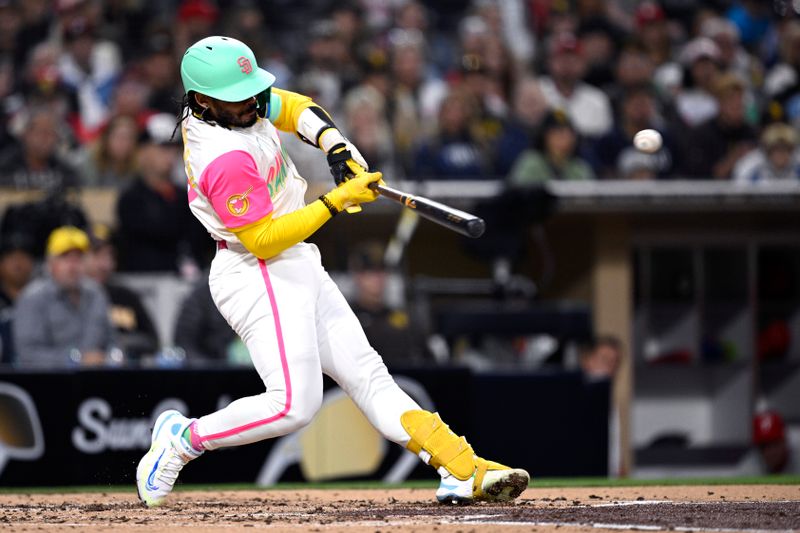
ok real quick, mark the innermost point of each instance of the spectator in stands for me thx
(130, 99)
(553, 157)
(365, 117)
(415, 97)
(10, 24)
(6, 86)
(193, 20)
(609, 10)
(499, 68)
(135, 334)
(112, 160)
(601, 41)
(392, 332)
(713, 148)
(513, 23)
(488, 94)
(652, 27)
(732, 56)
(326, 63)
(637, 111)
(521, 127)
(35, 162)
(752, 18)
(157, 233)
(695, 102)
(200, 329)
(36, 19)
(123, 23)
(633, 68)
(91, 68)
(348, 22)
(66, 57)
(668, 73)
(769, 435)
(453, 152)
(782, 83)
(602, 358)
(16, 271)
(413, 15)
(159, 71)
(587, 107)
(62, 319)
(473, 31)
(777, 159)
(247, 22)
(41, 86)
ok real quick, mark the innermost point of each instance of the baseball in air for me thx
(647, 141)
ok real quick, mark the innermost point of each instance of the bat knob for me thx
(476, 227)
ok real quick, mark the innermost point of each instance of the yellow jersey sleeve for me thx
(287, 107)
(269, 236)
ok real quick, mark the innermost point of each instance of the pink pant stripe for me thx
(284, 365)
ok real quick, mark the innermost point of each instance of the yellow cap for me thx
(65, 239)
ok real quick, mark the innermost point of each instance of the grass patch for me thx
(605, 482)
(422, 484)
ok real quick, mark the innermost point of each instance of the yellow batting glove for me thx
(355, 191)
(355, 169)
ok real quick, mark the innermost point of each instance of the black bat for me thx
(454, 219)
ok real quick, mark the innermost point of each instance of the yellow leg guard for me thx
(429, 433)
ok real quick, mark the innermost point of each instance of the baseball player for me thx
(272, 289)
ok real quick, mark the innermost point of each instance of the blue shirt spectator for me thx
(777, 159)
(453, 152)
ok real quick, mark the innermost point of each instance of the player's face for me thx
(237, 114)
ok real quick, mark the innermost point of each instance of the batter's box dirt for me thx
(712, 508)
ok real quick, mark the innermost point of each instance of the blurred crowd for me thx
(518, 90)
(527, 90)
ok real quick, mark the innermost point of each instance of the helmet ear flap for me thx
(262, 102)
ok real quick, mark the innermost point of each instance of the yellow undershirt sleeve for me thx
(292, 104)
(269, 236)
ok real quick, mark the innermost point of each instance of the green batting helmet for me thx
(225, 69)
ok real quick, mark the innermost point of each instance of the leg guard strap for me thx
(481, 466)
(429, 433)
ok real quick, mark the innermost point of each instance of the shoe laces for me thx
(171, 467)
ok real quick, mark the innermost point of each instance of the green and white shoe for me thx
(169, 452)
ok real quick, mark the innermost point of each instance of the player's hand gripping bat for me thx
(453, 219)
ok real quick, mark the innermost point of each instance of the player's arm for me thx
(240, 197)
(299, 114)
(270, 236)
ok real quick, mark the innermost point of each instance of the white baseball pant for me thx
(296, 325)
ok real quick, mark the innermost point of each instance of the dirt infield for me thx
(693, 508)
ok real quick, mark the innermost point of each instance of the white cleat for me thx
(491, 482)
(169, 452)
(455, 491)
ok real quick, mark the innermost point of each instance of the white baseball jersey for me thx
(238, 176)
(290, 314)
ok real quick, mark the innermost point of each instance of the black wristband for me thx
(327, 203)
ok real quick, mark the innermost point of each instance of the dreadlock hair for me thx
(188, 104)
